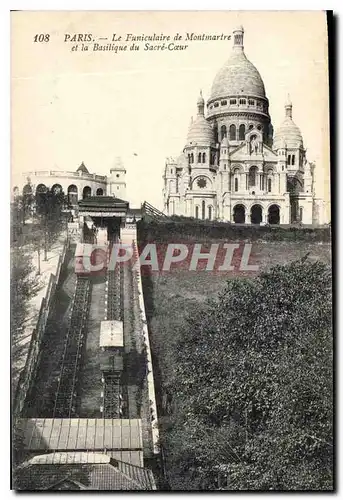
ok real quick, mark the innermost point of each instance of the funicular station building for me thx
(89, 420)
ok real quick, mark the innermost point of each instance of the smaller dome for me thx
(288, 133)
(200, 132)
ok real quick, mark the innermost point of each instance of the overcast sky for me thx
(69, 107)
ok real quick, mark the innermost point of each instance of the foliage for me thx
(251, 386)
(24, 285)
(49, 206)
(207, 230)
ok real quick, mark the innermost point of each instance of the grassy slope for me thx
(170, 297)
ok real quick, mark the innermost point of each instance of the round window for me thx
(201, 182)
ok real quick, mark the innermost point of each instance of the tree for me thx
(49, 206)
(24, 286)
(252, 386)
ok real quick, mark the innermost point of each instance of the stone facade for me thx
(77, 185)
(232, 167)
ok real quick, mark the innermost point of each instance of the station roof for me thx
(111, 334)
(102, 205)
(80, 434)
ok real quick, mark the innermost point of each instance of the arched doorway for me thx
(41, 189)
(239, 214)
(99, 192)
(72, 194)
(56, 189)
(256, 214)
(274, 214)
(86, 192)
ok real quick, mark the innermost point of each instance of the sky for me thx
(73, 106)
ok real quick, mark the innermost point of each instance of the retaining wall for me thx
(28, 373)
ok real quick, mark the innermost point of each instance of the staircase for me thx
(151, 213)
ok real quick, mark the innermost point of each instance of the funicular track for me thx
(114, 311)
(113, 403)
(113, 399)
(66, 394)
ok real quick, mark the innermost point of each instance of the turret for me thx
(308, 177)
(224, 154)
(117, 183)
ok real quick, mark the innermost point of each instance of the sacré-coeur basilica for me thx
(233, 168)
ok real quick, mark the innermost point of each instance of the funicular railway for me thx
(110, 350)
(114, 402)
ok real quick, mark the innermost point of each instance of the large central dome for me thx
(238, 76)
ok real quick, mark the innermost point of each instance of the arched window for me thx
(301, 214)
(241, 132)
(232, 132)
(204, 157)
(199, 157)
(293, 159)
(215, 130)
(236, 183)
(223, 132)
(192, 158)
(210, 212)
(269, 185)
(288, 159)
(252, 176)
(197, 212)
(203, 207)
(87, 191)
(72, 194)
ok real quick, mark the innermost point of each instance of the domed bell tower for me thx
(238, 101)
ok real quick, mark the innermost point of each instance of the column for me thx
(265, 215)
(248, 216)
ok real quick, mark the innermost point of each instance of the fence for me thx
(28, 373)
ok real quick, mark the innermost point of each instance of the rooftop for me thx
(87, 471)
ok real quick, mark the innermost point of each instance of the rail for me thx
(65, 401)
